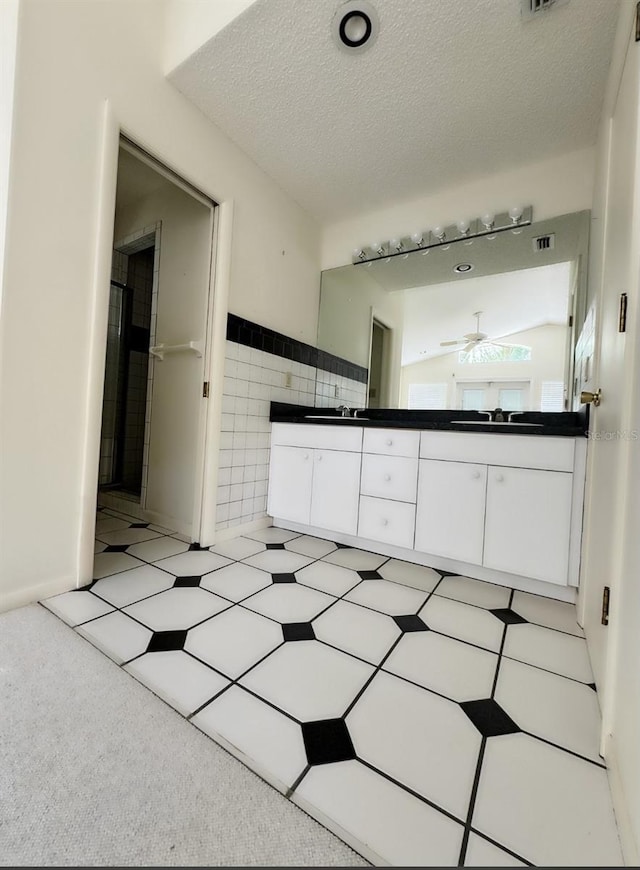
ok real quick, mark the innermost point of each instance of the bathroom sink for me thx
(333, 418)
(513, 423)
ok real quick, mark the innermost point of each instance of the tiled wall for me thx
(254, 377)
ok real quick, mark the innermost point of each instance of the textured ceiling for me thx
(450, 90)
(510, 302)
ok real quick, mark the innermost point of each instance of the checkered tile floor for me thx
(425, 718)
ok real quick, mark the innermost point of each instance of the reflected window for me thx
(491, 353)
(427, 397)
(472, 400)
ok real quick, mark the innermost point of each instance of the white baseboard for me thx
(236, 531)
(30, 594)
(629, 838)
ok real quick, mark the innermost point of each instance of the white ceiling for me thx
(450, 90)
(510, 302)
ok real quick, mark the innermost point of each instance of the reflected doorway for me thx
(378, 364)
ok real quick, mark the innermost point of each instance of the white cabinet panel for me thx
(336, 490)
(528, 522)
(338, 437)
(526, 451)
(391, 522)
(391, 442)
(290, 476)
(450, 512)
(389, 477)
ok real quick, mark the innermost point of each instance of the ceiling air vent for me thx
(533, 8)
(544, 243)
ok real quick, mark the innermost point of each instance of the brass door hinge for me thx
(606, 596)
(205, 390)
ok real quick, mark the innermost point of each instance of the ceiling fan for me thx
(472, 339)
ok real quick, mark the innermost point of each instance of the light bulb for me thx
(488, 220)
(396, 245)
(358, 254)
(439, 233)
(378, 249)
(463, 227)
(515, 213)
(417, 239)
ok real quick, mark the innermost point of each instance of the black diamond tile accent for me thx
(182, 582)
(489, 717)
(283, 578)
(139, 526)
(326, 741)
(369, 575)
(410, 623)
(87, 588)
(342, 546)
(592, 686)
(196, 546)
(298, 631)
(446, 573)
(275, 546)
(116, 548)
(162, 641)
(508, 616)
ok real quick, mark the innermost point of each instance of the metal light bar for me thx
(487, 225)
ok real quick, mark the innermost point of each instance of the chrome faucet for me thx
(345, 411)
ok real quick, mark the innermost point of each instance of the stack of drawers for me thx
(388, 486)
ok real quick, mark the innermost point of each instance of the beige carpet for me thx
(95, 770)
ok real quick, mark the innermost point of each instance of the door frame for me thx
(113, 130)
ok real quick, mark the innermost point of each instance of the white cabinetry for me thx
(290, 476)
(334, 493)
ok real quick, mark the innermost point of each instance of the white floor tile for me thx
(129, 586)
(289, 602)
(178, 679)
(273, 535)
(474, 592)
(449, 667)
(549, 649)
(195, 563)
(550, 807)
(176, 609)
(238, 548)
(356, 630)
(547, 612)
(161, 529)
(389, 825)
(234, 640)
(473, 624)
(391, 598)
(419, 739)
(560, 710)
(411, 575)
(309, 546)
(77, 606)
(268, 742)
(236, 581)
(127, 536)
(481, 853)
(105, 564)
(357, 560)
(99, 547)
(110, 524)
(159, 548)
(117, 636)
(278, 561)
(328, 578)
(308, 680)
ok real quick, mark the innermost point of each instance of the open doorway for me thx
(153, 418)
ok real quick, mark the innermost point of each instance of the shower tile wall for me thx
(253, 378)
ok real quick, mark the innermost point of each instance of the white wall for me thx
(72, 57)
(8, 44)
(556, 186)
(548, 346)
(350, 298)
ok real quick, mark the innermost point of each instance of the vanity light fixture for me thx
(444, 235)
(354, 26)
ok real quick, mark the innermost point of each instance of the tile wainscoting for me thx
(262, 366)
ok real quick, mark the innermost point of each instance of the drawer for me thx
(391, 522)
(322, 437)
(522, 451)
(394, 477)
(391, 442)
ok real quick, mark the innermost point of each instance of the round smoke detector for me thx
(461, 268)
(355, 26)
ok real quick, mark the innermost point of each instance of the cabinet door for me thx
(528, 522)
(450, 514)
(290, 475)
(336, 491)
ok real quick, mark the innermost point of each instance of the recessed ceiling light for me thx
(461, 268)
(354, 26)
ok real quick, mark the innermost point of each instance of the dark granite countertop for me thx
(569, 424)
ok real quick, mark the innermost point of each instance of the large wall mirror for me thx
(479, 323)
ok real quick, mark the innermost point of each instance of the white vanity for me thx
(499, 507)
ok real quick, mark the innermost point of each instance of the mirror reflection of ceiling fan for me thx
(474, 339)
